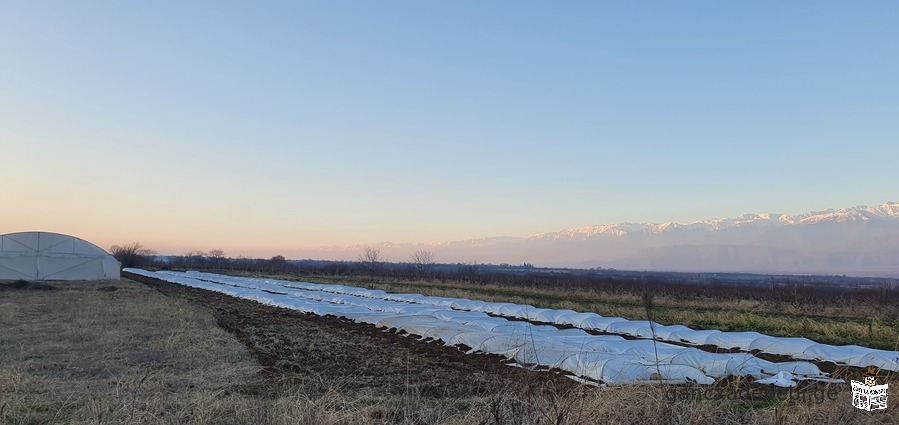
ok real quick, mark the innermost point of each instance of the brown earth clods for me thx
(291, 346)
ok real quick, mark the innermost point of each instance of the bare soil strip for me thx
(331, 349)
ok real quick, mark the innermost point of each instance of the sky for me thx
(260, 127)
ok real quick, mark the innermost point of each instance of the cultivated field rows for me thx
(604, 358)
(798, 348)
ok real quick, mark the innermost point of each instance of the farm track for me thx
(337, 352)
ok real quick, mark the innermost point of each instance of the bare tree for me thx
(424, 261)
(371, 258)
(469, 271)
(196, 259)
(244, 261)
(278, 262)
(132, 254)
(218, 257)
(204, 259)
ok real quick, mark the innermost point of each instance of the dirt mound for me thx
(26, 285)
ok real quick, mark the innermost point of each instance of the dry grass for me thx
(84, 355)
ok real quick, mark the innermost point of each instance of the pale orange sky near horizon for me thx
(186, 236)
(267, 129)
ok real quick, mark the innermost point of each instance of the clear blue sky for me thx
(262, 126)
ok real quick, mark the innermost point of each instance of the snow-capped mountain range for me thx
(887, 211)
(861, 240)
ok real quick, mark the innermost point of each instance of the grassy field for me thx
(157, 353)
(94, 352)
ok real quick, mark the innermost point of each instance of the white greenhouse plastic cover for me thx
(799, 348)
(605, 358)
(52, 256)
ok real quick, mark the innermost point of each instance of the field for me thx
(130, 352)
(828, 318)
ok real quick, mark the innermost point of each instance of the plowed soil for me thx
(291, 346)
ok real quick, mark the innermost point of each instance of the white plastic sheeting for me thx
(799, 348)
(606, 358)
(52, 256)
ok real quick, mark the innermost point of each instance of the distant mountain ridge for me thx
(887, 211)
(860, 240)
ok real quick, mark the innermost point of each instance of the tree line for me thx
(370, 262)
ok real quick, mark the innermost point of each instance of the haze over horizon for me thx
(855, 241)
(262, 129)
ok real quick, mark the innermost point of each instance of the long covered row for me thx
(799, 348)
(606, 358)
